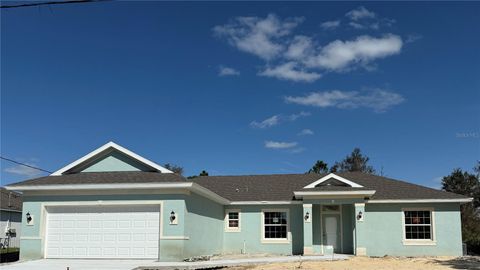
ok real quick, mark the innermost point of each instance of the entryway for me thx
(331, 228)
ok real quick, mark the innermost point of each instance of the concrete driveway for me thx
(79, 264)
(62, 264)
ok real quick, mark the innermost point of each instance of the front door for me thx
(331, 231)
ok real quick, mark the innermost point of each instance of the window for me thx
(418, 225)
(275, 225)
(232, 221)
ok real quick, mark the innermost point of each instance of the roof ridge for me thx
(244, 175)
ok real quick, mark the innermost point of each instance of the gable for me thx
(114, 162)
(111, 157)
(333, 180)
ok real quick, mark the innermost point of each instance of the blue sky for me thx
(243, 88)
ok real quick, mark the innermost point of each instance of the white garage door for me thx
(103, 232)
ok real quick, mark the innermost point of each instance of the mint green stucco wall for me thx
(204, 226)
(202, 222)
(32, 244)
(381, 232)
(114, 161)
(251, 230)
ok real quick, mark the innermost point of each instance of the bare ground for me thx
(385, 263)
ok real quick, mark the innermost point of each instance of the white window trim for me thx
(230, 229)
(272, 240)
(334, 176)
(419, 242)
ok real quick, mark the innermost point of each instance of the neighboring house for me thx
(113, 203)
(10, 218)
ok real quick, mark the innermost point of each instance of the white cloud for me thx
(305, 132)
(360, 26)
(299, 48)
(289, 71)
(227, 71)
(23, 170)
(360, 13)
(379, 100)
(357, 25)
(328, 25)
(269, 122)
(301, 58)
(258, 36)
(363, 19)
(277, 119)
(295, 116)
(339, 55)
(280, 145)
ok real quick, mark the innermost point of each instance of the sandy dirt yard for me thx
(362, 263)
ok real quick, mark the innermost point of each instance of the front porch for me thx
(330, 226)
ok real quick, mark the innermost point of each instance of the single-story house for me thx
(10, 218)
(113, 203)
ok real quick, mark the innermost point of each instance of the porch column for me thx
(360, 233)
(307, 229)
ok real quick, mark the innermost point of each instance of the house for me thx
(10, 218)
(113, 203)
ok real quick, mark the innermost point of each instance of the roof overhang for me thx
(334, 176)
(189, 186)
(334, 194)
(114, 146)
(459, 200)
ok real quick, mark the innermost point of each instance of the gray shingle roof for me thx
(10, 200)
(277, 187)
(282, 186)
(103, 178)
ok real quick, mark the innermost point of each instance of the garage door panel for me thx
(103, 232)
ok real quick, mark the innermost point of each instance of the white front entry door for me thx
(121, 232)
(330, 231)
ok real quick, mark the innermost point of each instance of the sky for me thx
(243, 88)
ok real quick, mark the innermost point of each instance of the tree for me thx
(464, 183)
(355, 162)
(319, 167)
(174, 168)
(477, 169)
(202, 173)
(467, 184)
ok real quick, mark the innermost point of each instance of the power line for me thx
(23, 164)
(50, 3)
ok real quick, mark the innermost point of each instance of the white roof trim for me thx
(102, 186)
(466, 200)
(264, 202)
(334, 176)
(186, 185)
(333, 193)
(118, 148)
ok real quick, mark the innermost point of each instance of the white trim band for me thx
(335, 193)
(194, 187)
(264, 202)
(466, 200)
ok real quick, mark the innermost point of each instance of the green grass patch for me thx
(8, 250)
